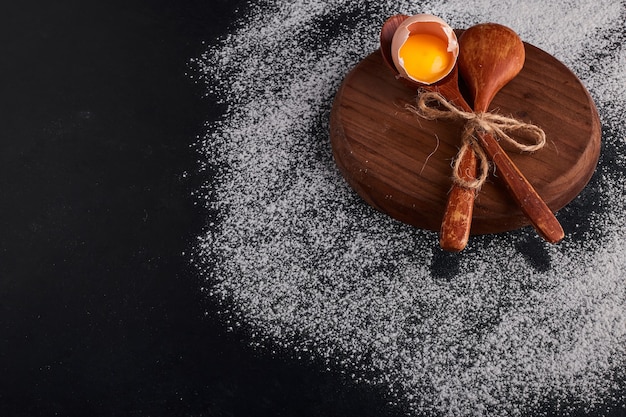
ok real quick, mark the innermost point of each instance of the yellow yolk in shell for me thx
(425, 57)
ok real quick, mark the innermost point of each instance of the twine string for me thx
(432, 105)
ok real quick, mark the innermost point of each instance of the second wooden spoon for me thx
(491, 55)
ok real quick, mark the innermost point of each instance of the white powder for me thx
(507, 327)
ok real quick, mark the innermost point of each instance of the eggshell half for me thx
(426, 24)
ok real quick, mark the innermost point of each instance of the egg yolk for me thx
(425, 57)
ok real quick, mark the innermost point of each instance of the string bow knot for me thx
(432, 105)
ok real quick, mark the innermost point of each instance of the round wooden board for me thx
(400, 164)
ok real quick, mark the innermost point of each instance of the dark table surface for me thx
(100, 308)
(101, 311)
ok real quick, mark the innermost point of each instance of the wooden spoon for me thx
(457, 219)
(490, 56)
(524, 194)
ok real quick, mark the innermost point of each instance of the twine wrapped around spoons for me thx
(432, 105)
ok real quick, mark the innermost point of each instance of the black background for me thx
(101, 312)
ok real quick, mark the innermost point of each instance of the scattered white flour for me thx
(510, 326)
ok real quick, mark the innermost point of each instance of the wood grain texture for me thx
(400, 164)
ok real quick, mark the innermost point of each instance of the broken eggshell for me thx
(425, 24)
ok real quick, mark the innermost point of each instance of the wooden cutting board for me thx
(400, 164)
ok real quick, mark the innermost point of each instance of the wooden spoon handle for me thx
(531, 204)
(457, 218)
